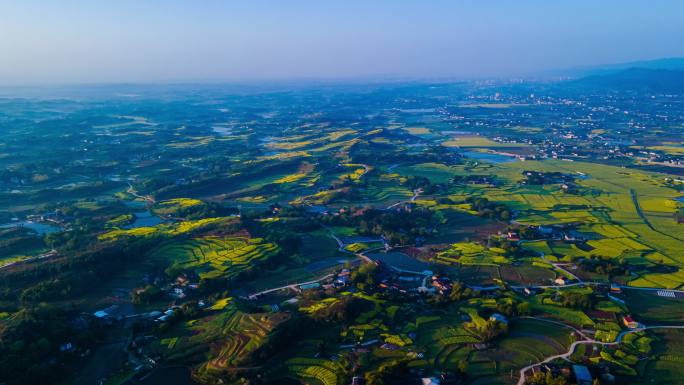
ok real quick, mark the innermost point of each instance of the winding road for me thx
(586, 341)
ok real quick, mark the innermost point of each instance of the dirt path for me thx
(148, 198)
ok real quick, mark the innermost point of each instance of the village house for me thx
(513, 236)
(441, 284)
(629, 322)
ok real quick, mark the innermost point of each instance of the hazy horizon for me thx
(174, 41)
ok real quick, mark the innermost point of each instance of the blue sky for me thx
(80, 41)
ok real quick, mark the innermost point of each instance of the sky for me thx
(150, 41)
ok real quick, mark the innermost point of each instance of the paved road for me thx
(341, 245)
(586, 341)
(291, 286)
(416, 194)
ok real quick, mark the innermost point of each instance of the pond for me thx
(325, 264)
(40, 228)
(144, 219)
(490, 157)
(401, 261)
(680, 199)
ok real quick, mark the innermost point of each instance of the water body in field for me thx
(401, 261)
(144, 219)
(680, 199)
(489, 157)
(39, 228)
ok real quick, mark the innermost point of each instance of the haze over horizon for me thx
(166, 41)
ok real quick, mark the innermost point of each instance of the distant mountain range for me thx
(662, 75)
(673, 64)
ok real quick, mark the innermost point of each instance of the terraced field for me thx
(472, 254)
(215, 256)
(321, 371)
(226, 335)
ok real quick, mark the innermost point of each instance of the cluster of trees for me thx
(366, 276)
(345, 193)
(398, 226)
(604, 266)
(204, 210)
(473, 178)
(30, 343)
(14, 240)
(540, 178)
(57, 278)
(513, 308)
(577, 300)
(423, 183)
(547, 378)
(146, 294)
(345, 310)
(389, 372)
(461, 292)
(490, 330)
(429, 188)
(488, 209)
(282, 336)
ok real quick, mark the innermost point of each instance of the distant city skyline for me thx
(78, 41)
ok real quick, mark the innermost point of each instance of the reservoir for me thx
(144, 219)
